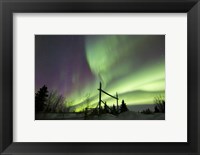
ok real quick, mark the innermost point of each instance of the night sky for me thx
(73, 65)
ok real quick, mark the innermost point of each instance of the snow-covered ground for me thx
(129, 115)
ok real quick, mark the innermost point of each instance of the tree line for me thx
(50, 102)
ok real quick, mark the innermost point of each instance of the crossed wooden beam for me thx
(100, 100)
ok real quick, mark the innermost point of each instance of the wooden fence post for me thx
(99, 97)
(117, 102)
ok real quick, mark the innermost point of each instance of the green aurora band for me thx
(124, 64)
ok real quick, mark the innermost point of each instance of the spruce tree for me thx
(40, 99)
(114, 110)
(106, 110)
(123, 107)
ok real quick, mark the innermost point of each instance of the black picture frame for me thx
(8, 7)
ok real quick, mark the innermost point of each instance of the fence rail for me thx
(101, 101)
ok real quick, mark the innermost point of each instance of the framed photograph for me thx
(99, 77)
(78, 81)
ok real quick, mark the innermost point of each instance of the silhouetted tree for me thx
(156, 110)
(106, 110)
(159, 104)
(87, 100)
(55, 103)
(147, 111)
(114, 110)
(94, 111)
(40, 99)
(68, 106)
(123, 107)
(100, 110)
(86, 113)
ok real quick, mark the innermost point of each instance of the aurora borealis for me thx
(74, 65)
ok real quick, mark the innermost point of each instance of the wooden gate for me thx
(100, 100)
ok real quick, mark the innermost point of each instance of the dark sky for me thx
(73, 65)
(57, 59)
